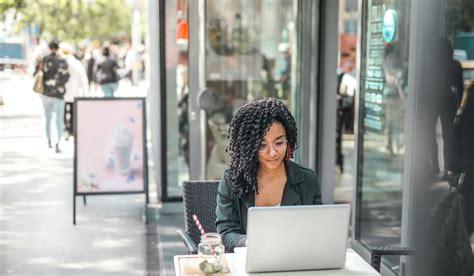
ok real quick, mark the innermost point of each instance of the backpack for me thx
(460, 143)
(452, 254)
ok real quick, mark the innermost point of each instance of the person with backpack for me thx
(452, 223)
(462, 153)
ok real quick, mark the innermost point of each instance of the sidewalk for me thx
(37, 236)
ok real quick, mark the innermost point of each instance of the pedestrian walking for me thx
(56, 75)
(77, 86)
(107, 75)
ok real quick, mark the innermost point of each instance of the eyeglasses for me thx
(277, 145)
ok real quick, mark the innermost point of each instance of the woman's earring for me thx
(288, 153)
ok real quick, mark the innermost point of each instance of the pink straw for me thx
(198, 224)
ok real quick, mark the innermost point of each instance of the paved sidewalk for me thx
(37, 236)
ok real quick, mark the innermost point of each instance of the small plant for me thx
(210, 267)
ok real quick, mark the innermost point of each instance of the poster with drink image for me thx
(110, 148)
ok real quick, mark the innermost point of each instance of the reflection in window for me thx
(249, 55)
(346, 87)
(177, 95)
(383, 108)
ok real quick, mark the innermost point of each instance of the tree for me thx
(71, 20)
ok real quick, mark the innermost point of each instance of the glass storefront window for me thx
(384, 74)
(177, 93)
(346, 90)
(250, 47)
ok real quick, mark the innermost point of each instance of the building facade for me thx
(374, 86)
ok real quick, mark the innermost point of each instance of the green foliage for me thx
(71, 20)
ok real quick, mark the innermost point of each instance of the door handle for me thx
(209, 100)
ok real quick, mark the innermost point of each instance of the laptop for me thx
(289, 238)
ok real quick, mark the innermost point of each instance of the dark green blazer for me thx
(301, 188)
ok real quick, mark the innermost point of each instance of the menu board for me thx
(373, 81)
(110, 155)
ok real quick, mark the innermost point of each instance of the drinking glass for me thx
(211, 253)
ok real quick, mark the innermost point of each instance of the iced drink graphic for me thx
(122, 147)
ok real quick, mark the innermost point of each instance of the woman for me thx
(262, 138)
(56, 75)
(107, 75)
(77, 85)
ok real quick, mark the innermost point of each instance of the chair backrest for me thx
(200, 198)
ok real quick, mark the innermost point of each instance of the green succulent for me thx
(209, 268)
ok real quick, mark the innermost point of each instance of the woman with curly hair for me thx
(262, 138)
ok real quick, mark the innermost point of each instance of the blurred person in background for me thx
(128, 61)
(56, 76)
(77, 86)
(39, 52)
(107, 76)
(91, 59)
(182, 27)
(90, 64)
(394, 94)
(284, 70)
(142, 61)
(447, 87)
(80, 53)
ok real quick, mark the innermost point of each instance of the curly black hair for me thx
(246, 131)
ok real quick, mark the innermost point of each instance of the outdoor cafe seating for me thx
(199, 198)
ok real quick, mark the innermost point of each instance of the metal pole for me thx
(136, 40)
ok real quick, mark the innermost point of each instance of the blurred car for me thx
(12, 54)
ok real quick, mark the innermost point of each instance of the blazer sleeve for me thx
(227, 219)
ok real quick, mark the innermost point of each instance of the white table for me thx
(355, 265)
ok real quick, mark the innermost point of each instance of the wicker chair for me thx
(378, 252)
(199, 198)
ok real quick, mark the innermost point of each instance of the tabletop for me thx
(189, 265)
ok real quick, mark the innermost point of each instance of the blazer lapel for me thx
(248, 201)
(290, 196)
(290, 192)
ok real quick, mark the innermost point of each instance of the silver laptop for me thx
(291, 238)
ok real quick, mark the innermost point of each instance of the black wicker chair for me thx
(378, 252)
(199, 198)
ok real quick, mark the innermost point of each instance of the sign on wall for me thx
(373, 81)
